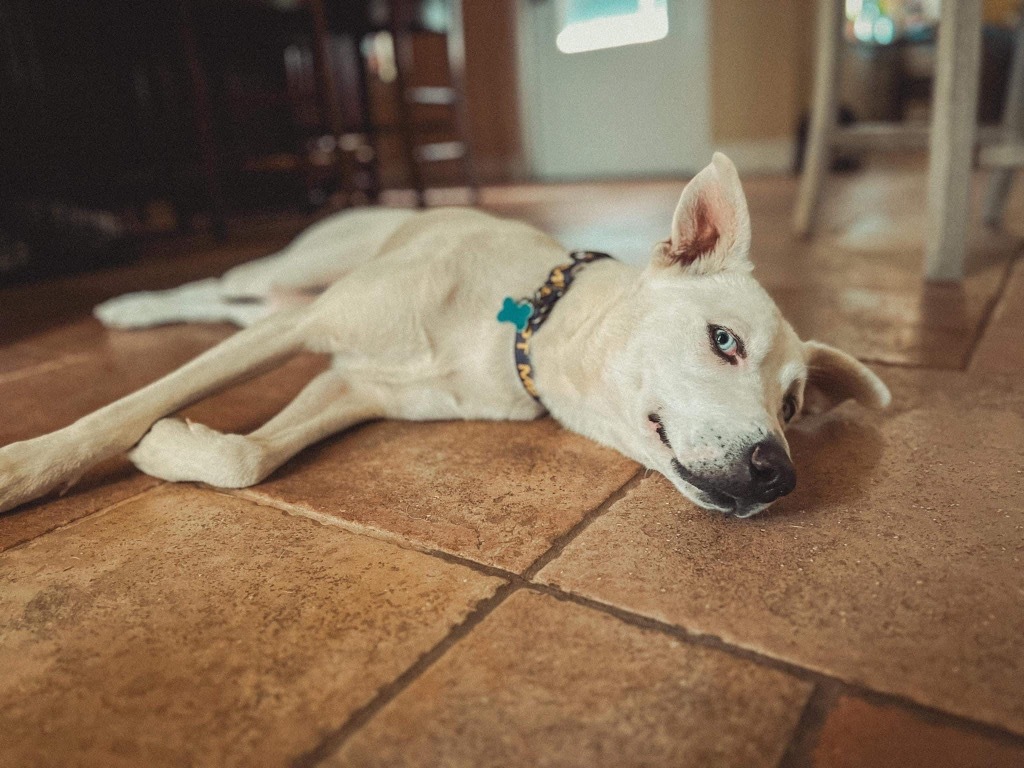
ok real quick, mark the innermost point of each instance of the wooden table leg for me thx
(817, 156)
(955, 103)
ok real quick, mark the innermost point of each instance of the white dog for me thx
(686, 366)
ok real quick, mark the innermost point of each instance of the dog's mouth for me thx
(710, 497)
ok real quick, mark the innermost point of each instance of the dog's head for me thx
(721, 373)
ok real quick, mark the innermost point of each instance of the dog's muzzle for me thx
(764, 476)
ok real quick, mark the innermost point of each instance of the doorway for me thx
(632, 100)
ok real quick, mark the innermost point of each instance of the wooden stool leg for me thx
(1013, 130)
(951, 149)
(823, 113)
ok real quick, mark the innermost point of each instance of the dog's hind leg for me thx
(198, 302)
(179, 451)
(33, 467)
(318, 256)
(249, 292)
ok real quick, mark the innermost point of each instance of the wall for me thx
(761, 65)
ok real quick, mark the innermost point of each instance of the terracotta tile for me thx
(110, 483)
(895, 564)
(87, 336)
(53, 396)
(499, 493)
(15, 359)
(1001, 348)
(190, 628)
(548, 683)
(858, 734)
(58, 391)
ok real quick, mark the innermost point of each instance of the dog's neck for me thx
(581, 354)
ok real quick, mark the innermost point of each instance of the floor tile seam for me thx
(43, 366)
(90, 516)
(349, 526)
(806, 733)
(335, 741)
(365, 531)
(989, 311)
(561, 542)
(814, 676)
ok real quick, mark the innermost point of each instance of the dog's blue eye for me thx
(725, 341)
(726, 344)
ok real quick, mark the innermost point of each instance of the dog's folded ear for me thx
(834, 376)
(711, 224)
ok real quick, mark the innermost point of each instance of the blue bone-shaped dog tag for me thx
(516, 312)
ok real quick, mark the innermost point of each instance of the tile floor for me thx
(462, 594)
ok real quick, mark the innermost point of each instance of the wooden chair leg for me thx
(457, 77)
(1013, 131)
(327, 92)
(403, 65)
(951, 150)
(370, 167)
(823, 114)
(203, 119)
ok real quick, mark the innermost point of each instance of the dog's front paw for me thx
(31, 468)
(188, 452)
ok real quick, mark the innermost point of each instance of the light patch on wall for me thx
(590, 25)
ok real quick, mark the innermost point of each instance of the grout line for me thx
(483, 568)
(817, 677)
(337, 738)
(989, 311)
(807, 731)
(358, 529)
(299, 510)
(821, 680)
(560, 543)
(83, 518)
(827, 683)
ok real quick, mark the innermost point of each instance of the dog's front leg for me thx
(178, 451)
(31, 468)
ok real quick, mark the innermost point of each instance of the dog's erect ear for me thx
(711, 225)
(834, 376)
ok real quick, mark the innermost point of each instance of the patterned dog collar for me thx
(528, 315)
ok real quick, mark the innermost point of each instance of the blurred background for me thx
(125, 121)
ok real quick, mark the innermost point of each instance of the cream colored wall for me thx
(760, 67)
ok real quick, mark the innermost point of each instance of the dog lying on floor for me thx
(686, 366)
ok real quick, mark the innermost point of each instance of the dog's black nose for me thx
(771, 472)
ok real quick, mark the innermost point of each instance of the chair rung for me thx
(431, 94)
(439, 151)
(888, 137)
(1008, 155)
(883, 136)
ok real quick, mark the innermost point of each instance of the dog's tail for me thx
(31, 468)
